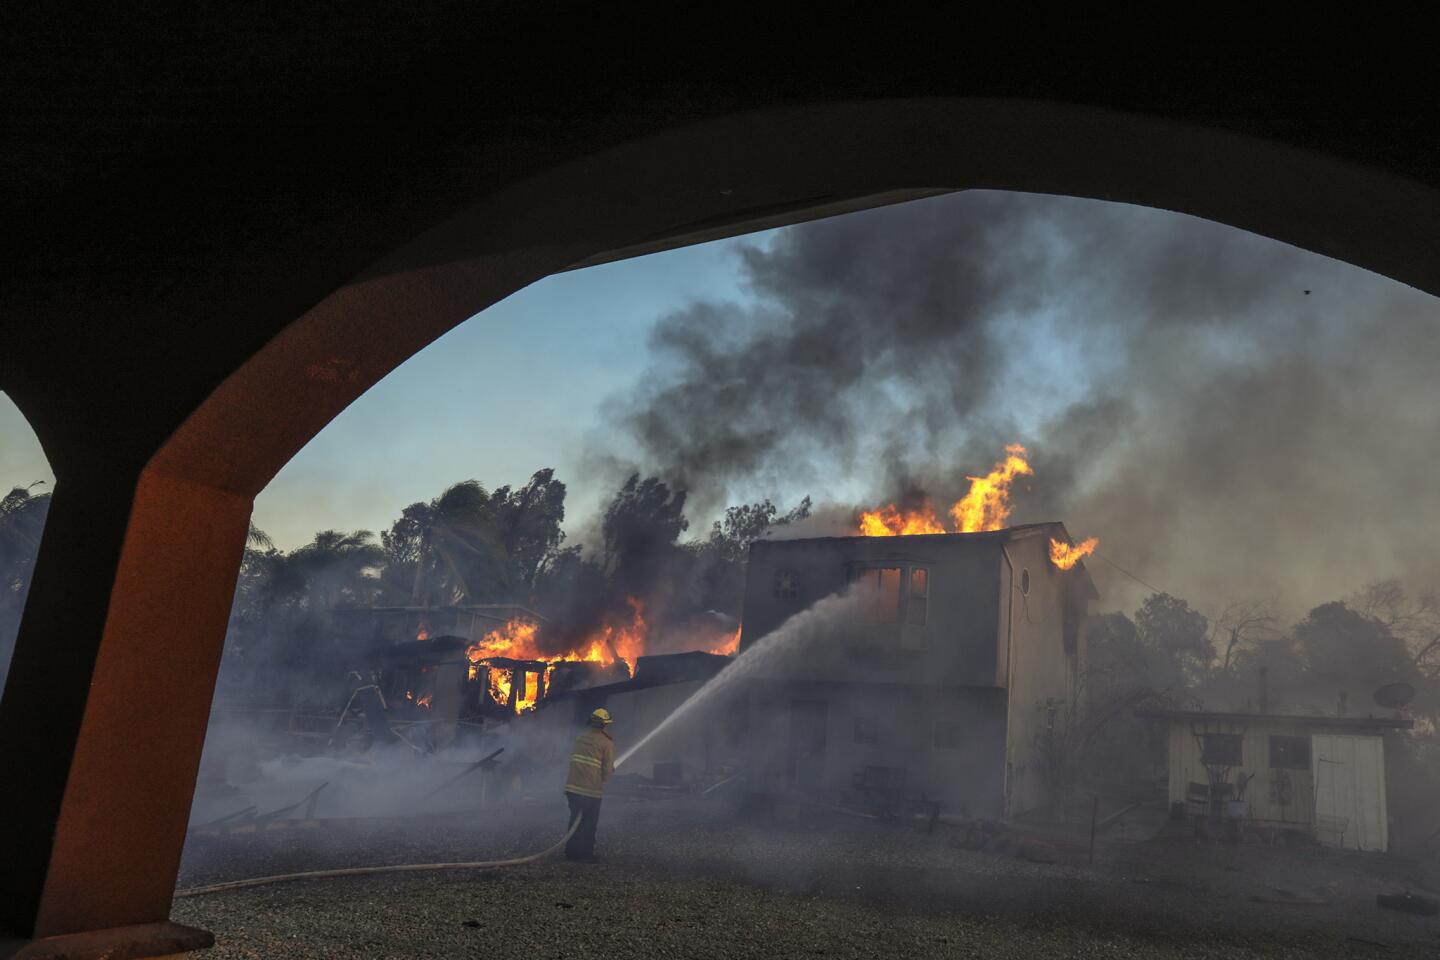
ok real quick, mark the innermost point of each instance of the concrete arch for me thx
(747, 172)
(140, 564)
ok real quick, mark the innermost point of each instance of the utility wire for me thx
(1147, 586)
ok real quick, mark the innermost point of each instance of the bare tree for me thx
(1239, 628)
(1415, 619)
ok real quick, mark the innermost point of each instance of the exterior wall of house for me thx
(1034, 662)
(942, 744)
(950, 645)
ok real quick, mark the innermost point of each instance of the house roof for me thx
(1298, 719)
(656, 670)
(1019, 531)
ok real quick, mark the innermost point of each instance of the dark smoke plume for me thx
(1231, 415)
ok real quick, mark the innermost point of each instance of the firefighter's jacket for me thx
(591, 763)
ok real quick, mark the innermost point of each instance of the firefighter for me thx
(591, 762)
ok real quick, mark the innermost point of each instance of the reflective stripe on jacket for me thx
(591, 762)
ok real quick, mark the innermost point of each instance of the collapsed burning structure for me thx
(434, 671)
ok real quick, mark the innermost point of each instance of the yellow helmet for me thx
(600, 718)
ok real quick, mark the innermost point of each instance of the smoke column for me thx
(1231, 415)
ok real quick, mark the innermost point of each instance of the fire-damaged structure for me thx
(968, 645)
(421, 673)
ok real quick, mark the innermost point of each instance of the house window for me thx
(787, 584)
(867, 730)
(879, 592)
(919, 605)
(949, 734)
(1220, 749)
(1290, 753)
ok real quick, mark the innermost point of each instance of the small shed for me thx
(1324, 775)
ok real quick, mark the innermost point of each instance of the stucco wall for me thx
(1032, 663)
(806, 740)
(952, 648)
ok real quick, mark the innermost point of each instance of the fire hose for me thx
(364, 871)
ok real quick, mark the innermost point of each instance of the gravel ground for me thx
(685, 878)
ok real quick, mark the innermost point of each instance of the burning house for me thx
(968, 645)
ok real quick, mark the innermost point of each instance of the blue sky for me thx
(515, 388)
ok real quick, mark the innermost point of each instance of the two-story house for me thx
(968, 647)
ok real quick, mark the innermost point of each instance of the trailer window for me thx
(1290, 753)
(1220, 749)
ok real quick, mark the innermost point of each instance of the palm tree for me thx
(337, 568)
(452, 545)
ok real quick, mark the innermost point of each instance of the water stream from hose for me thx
(771, 655)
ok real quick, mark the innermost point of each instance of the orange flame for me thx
(986, 507)
(623, 641)
(1065, 555)
(890, 521)
(729, 647)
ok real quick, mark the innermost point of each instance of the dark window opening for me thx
(867, 730)
(879, 592)
(949, 734)
(1220, 749)
(919, 606)
(787, 584)
(1290, 753)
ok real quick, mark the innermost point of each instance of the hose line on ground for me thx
(362, 871)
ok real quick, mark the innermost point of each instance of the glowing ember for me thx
(1065, 555)
(986, 507)
(425, 700)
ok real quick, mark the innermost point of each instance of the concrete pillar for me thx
(104, 713)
